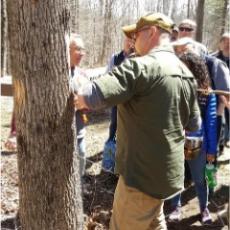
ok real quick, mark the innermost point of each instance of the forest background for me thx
(99, 22)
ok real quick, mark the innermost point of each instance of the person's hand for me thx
(227, 103)
(210, 158)
(225, 100)
(75, 101)
(79, 102)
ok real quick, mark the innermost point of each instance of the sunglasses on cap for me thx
(185, 29)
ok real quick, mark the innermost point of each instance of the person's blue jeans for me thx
(197, 168)
(81, 151)
(113, 124)
(227, 131)
(81, 145)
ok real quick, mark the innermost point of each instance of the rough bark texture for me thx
(49, 180)
(106, 41)
(199, 20)
(223, 19)
(74, 11)
(3, 37)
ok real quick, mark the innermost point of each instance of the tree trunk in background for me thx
(188, 10)
(74, 12)
(77, 15)
(93, 53)
(159, 6)
(223, 19)
(170, 8)
(49, 180)
(102, 6)
(3, 38)
(104, 33)
(137, 8)
(106, 39)
(174, 10)
(199, 20)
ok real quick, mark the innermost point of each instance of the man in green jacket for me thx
(156, 99)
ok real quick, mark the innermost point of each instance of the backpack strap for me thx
(211, 64)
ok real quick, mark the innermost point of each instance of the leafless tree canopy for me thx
(100, 21)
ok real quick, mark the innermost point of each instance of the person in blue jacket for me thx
(207, 133)
(116, 60)
(108, 161)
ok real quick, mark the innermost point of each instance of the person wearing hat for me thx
(77, 52)
(183, 45)
(187, 29)
(156, 102)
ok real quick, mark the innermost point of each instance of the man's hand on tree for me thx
(79, 102)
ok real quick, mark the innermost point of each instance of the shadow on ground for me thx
(217, 204)
(98, 191)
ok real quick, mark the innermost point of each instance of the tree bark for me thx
(49, 180)
(170, 8)
(188, 10)
(74, 15)
(159, 5)
(77, 15)
(3, 38)
(223, 19)
(199, 20)
(106, 40)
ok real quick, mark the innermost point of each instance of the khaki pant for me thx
(134, 210)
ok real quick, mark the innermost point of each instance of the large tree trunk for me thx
(199, 20)
(49, 180)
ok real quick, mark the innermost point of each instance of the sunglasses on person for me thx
(185, 29)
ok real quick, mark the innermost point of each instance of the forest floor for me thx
(99, 185)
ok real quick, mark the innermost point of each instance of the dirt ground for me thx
(99, 185)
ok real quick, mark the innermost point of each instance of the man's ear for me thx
(153, 31)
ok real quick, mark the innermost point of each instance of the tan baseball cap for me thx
(188, 23)
(152, 19)
(182, 41)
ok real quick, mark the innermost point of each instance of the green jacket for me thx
(156, 101)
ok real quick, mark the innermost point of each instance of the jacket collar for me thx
(165, 48)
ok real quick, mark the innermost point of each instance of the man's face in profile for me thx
(226, 42)
(76, 54)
